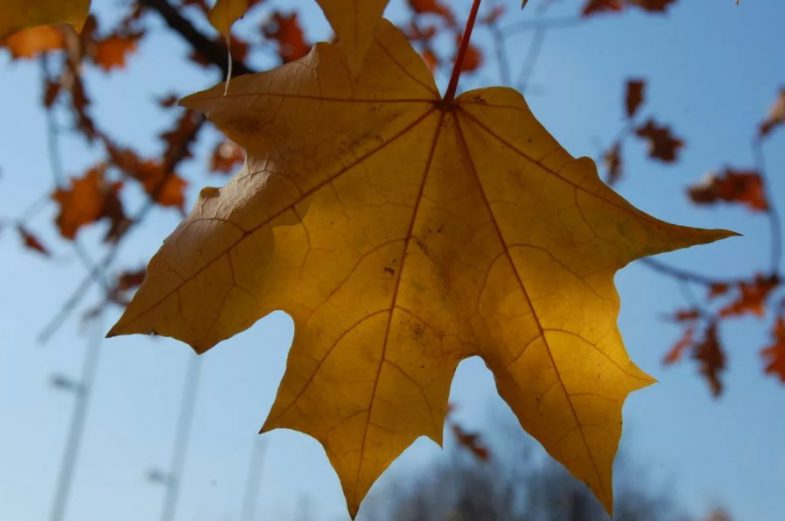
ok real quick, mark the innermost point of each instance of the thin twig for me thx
(530, 61)
(213, 51)
(775, 226)
(540, 24)
(58, 173)
(78, 420)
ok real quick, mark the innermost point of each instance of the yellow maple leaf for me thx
(354, 26)
(19, 14)
(404, 233)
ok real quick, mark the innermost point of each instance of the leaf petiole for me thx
(452, 87)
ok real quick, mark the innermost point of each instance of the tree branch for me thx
(213, 50)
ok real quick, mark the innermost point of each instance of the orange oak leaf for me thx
(403, 233)
(89, 199)
(663, 145)
(113, 51)
(731, 186)
(166, 188)
(179, 138)
(774, 355)
(20, 14)
(288, 35)
(752, 296)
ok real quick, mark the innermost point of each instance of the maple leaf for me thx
(112, 52)
(404, 233)
(731, 186)
(167, 188)
(354, 26)
(19, 14)
(225, 12)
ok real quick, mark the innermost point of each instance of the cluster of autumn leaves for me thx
(97, 196)
(759, 294)
(725, 299)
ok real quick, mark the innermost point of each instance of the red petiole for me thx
(449, 96)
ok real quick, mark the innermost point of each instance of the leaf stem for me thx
(449, 96)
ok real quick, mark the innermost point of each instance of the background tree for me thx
(507, 481)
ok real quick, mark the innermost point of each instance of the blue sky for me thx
(713, 71)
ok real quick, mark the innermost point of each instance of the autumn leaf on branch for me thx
(751, 296)
(663, 145)
(404, 232)
(90, 199)
(112, 51)
(743, 187)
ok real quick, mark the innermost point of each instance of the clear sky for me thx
(713, 70)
